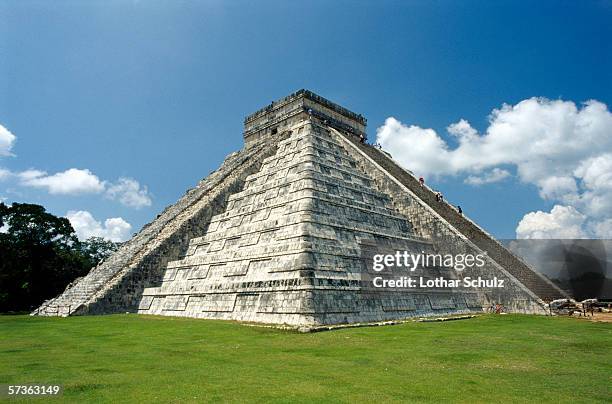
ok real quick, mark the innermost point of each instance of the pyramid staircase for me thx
(534, 281)
(116, 284)
(290, 246)
(282, 232)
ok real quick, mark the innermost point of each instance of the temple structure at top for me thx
(299, 106)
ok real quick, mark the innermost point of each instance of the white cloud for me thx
(563, 149)
(85, 225)
(31, 174)
(596, 179)
(76, 181)
(495, 175)
(4, 174)
(130, 193)
(596, 172)
(7, 140)
(70, 182)
(463, 131)
(562, 222)
(554, 187)
(420, 150)
(537, 135)
(603, 229)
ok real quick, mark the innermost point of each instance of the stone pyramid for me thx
(284, 233)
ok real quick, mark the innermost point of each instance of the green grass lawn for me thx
(122, 358)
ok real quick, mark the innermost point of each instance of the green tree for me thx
(98, 248)
(39, 255)
(31, 224)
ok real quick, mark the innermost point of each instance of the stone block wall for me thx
(282, 233)
(116, 284)
(289, 248)
(441, 222)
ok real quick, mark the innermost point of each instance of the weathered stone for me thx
(282, 233)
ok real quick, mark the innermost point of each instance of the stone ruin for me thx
(283, 233)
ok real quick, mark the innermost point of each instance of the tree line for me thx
(40, 255)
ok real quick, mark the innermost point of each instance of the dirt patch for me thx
(597, 317)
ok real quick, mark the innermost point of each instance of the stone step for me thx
(534, 282)
(140, 253)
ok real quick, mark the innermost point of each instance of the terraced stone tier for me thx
(284, 231)
(116, 284)
(535, 282)
(292, 247)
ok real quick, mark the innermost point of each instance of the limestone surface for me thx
(285, 233)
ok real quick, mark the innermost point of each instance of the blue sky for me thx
(150, 96)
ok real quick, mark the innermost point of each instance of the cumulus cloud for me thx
(603, 229)
(495, 175)
(555, 187)
(70, 182)
(562, 222)
(463, 131)
(7, 140)
(595, 175)
(130, 193)
(76, 181)
(420, 150)
(85, 225)
(536, 135)
(563, 149)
